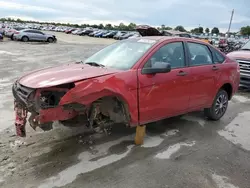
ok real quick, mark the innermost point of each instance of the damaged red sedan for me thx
(134, 81)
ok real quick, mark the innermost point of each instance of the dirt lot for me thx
(178, 152)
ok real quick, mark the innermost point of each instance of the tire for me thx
(219, 106)
(50, 40)
(12, 37)
(25, 39)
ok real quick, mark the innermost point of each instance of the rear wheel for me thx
(25, 39)
(219, 106)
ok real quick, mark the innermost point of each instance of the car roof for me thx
(159, 39)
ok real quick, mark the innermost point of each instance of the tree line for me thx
(130, 27)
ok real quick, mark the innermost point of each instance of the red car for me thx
(69, 31)
(134, 81)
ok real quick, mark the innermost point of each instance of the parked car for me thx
(94, 32)
(109, 34)
(26, 35)
(119, 34)
(86, 32)
(100, 34)
(125, 36)
(134, 81)
(135, 35)
(242, 56)
(75, 32)
(69, 31)
(10, 32)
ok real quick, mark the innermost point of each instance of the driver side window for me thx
(172, 53)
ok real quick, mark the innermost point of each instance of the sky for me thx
(189, 13)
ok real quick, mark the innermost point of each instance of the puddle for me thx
(222, 181)
(86, 163)
(199, 120)
(238, 131)
(153, 141)
(241, 99)
(173, 149)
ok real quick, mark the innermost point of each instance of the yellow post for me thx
(140, 133)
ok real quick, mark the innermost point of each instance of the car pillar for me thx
(140, 133)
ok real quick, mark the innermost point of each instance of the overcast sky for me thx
(189, 13)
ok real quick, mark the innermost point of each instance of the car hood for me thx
(63, 74)
(240, 54)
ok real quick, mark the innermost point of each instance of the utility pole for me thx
(232, 14)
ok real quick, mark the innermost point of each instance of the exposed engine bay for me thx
(45, 108)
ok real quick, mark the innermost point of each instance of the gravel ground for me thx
(178, 152)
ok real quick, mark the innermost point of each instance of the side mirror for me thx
(157, 67)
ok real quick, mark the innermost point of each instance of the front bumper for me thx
(29, 98)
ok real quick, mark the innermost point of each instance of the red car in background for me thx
(69, 31)
(134, 81)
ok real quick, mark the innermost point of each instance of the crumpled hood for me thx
(63, 74)
(241, 54)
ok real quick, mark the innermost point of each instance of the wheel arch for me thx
(229, 89)
(25, 36)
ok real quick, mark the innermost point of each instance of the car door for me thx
(30, 34)
(39, 36)
(203, 72)
(164, 94)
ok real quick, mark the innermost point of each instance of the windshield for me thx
(121, 55)
(246, 46)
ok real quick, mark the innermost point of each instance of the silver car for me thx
(26, 35)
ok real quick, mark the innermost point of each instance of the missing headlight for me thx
(50, 99)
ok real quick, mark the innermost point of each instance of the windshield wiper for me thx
(245, 49)
(95, 64)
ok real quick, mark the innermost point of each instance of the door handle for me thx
(182, 73)
(215, 68)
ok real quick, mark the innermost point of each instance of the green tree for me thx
(245, 30)
(195, 30)
(215, 30)
(207, 30)
(168, 28)
(180, 28)
(108, 26)
(122, 26)
(101, 26)
(200, 29)
(131, 26)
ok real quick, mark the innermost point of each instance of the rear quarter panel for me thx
(229, 74)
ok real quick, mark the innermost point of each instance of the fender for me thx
(121, 85)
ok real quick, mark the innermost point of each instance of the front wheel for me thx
(50, 40)
(219, 106)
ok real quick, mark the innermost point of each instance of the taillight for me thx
(16, 32)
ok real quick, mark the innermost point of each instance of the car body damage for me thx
(93, 98)
(133, 82)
